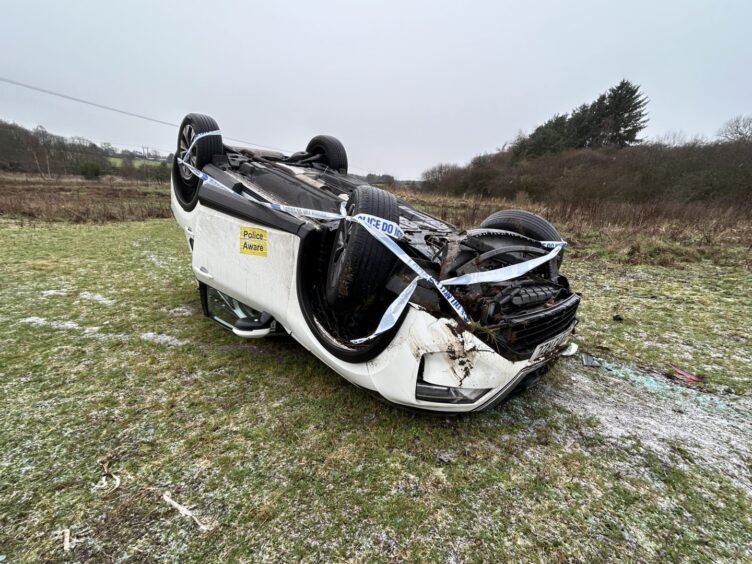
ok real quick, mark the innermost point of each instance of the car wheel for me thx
(185, 182)
(525, 223)
(332, 152)
(359, 264)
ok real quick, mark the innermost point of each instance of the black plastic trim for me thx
(231, 203)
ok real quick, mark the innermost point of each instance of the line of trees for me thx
(595, 153)
(40, 152)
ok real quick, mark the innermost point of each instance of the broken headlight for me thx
(446, 394)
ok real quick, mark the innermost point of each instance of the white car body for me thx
(261, 228)
(451, 360)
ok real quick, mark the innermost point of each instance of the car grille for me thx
(519, 336)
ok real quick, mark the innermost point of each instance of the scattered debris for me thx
(617, 317)
(104, 462)
(183, 510)
(589, 360)
(686, 377)
(66, 540)
(571, 350)
(99, 298)
(631, 402)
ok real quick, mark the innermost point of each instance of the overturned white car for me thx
(396, 301)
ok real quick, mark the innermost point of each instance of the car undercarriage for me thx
(344, 278)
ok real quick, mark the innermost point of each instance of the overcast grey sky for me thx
(403, 84)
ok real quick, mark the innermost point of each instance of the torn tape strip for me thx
(504, 273)
(392, 313)
(204, 177)
(196, 138)
(403, 256)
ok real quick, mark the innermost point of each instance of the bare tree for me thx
(738, 128)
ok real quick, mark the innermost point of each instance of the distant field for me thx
(118, 161)
(117, 390)
(71, 198)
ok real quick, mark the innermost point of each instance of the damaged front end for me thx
(517, 330)
(514, 317)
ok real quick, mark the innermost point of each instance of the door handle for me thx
(203, 271)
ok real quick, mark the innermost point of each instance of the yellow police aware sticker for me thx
(253, 241)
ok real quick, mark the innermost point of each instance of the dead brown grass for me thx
(662, 233)
(669, 221)
(73, 199)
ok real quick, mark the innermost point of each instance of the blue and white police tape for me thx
(196, 138)
(381, 225)
(506, 272)
(384, 231)
(395, 309)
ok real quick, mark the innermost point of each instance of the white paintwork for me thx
(269, 284)
(253, 334)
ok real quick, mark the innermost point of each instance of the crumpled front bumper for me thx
(434, 351)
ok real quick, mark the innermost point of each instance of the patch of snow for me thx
(42, 322)
(156, 260)
(48, 293)
(92, 331)
(35, 320)
(99, 298)
(163, 339)
(182, 311)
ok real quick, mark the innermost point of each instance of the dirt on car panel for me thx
(460, 354)
(462, 365)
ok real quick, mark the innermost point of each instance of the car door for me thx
(251, 262)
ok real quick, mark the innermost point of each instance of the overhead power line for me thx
(87, 102)
(112, 109)
(135, 115)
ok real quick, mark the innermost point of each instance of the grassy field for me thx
(118, 161)
(116, 390)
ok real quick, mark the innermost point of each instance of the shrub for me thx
(90, 170)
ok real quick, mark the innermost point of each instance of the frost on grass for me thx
(48, 293)
(182, 311)
(716, 431)
(42, 322)
(163, 339)
(95, 332)
(99, 298)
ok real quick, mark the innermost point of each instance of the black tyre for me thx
(359, 264)
(525, 223)
(332, 152)
(185, 182)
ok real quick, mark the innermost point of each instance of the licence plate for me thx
(550, 346)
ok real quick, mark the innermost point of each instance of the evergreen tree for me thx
(615, 118)
(626, 114)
